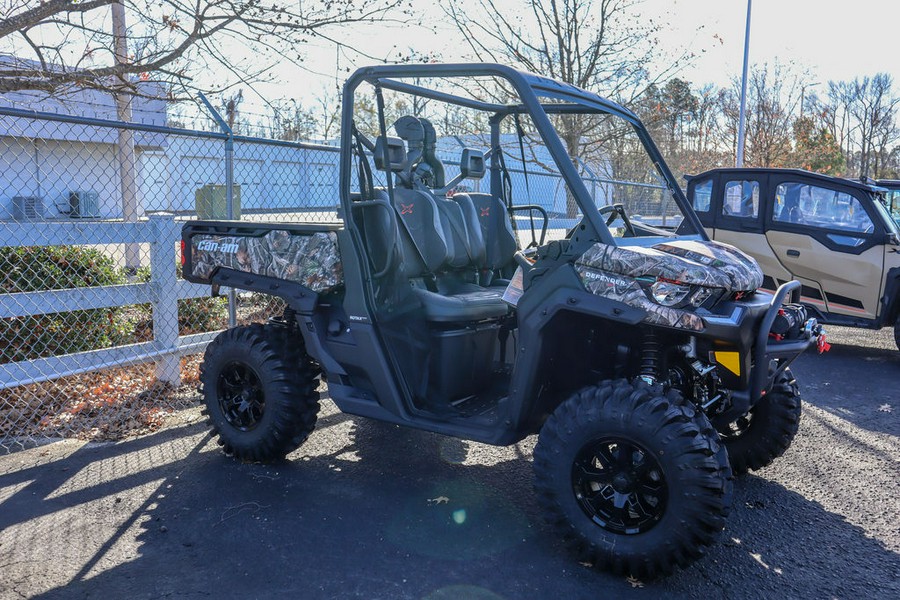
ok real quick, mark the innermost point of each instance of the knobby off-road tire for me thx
(756, 439)
(259, 387)
(634, 480)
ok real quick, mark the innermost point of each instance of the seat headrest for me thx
(410, 130)
(429, 155)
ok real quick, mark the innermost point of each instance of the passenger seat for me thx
(496, 228)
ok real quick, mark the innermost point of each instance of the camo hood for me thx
(613, 272)
(710, 264)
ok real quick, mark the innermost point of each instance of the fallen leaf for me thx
(635, 583)
(439, 500)
(885, 408)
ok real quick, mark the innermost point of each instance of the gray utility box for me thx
(84, 204)
(27, 208)
(211, 202)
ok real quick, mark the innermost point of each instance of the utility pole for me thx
(803, 95)
(742, 119)
(127, 163)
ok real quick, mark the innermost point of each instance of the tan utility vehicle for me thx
(836, 236)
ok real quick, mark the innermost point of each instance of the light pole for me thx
(739, 159)
(803, 94)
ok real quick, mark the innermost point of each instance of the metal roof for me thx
(854, 183)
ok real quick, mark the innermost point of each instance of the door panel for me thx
(846, 281)
(756, 246)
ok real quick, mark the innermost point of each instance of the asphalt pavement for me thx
(368, 510)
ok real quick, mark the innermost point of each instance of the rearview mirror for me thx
(471, 164)
(396, 153)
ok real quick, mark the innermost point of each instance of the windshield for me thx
(528, 163)
(890, 210)
(892, 201)
(618, 171)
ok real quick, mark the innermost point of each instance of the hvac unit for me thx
(211, 202)
(84, 204)
(27, 208)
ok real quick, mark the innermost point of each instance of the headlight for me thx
(667, 293)
(703, 294)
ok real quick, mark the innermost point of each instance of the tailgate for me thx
(306, 254)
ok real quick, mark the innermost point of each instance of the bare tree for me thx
(834, 112)
(599, 45)
(873, 110)
(55, 45)
(772, 98)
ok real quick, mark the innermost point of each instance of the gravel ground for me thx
(369, 510)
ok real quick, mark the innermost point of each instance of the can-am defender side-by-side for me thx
(640, 352)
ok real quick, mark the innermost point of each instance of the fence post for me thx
(164, 280)
(229, 191)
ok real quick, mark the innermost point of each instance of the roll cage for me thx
(530, 88)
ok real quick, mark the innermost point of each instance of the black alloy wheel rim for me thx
(240, 396)
(619, 485)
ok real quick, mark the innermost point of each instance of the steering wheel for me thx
(617, 210)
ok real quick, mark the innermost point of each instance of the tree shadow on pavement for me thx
(371, 510)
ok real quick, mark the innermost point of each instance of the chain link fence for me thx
(99, 335)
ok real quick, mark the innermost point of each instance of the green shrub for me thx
(31, 269)
(195, 315)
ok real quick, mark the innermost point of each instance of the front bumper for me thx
(770, 357)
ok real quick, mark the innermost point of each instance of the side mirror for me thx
(892, 239)
(396, 153)
(471, 164)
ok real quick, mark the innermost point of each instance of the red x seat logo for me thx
(406, 209)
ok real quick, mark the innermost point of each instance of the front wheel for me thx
(756, 439)
(259, 388)
(635, 481)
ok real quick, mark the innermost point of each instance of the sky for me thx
(825, 39)
(833, 40)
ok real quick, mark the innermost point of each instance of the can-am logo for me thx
(606, 278)
(211, 246)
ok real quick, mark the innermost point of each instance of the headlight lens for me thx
(702, 295)
(667, 293)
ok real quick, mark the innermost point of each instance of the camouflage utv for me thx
(476, 300)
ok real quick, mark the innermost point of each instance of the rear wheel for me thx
(635, 481)
(756, 439)
(259, 388)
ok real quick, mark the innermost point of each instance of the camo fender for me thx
(312, 260)
(708, 264)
